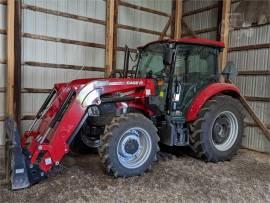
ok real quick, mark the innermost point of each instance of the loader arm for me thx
(59, 120)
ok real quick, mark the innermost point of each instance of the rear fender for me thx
(204, 95)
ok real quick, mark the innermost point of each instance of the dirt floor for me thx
(245, 179)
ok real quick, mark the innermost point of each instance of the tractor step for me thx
(19, 173)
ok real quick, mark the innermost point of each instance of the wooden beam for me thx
(165, 29)
(189, 30)
(205, 30)
(63, 66)
(255, 117)
(35, 90)
(149, 10)
(255, 125)
(257, 99)
(178, 18)
(3, 61)
(253, 72)
(225, 27)
(28, 90)
(110, 27)
(249, 47)
(28, 117)
(3, 31)
(3, 2)
(236, 1)
(123, 49)
(10, 58)
(137, 29)
(62, 40)
(63, 14)
(2, 89)
(200, 10)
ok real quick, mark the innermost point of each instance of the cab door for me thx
(195, 67)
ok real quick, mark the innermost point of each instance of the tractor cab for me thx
(180, 70)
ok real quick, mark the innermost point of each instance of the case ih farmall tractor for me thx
(173, 96)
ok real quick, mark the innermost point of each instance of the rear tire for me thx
(129, 145)
(217, 133)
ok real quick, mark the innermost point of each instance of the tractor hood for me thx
(109, 85)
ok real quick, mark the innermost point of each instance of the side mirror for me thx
(230, 71)
(167, 56)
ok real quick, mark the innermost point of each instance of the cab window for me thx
(195, 62)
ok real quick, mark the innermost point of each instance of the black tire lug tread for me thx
(197, 145)
(107, 135)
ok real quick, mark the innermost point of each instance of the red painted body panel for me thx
(55, 145)
(205, 94)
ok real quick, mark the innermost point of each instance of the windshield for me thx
(151, 61)
(192, 61)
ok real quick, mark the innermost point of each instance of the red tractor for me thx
(172, 96)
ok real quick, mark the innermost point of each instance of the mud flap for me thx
(19, 173)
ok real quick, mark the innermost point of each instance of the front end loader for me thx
(172, 96)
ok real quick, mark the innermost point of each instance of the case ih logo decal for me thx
(134, 82)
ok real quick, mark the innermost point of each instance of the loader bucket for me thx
(19, 172)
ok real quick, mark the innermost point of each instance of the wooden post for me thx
(10, 58)
(225, 28)
(115, 17)
(219, 20)
(110, 27)
(10, 76)
(178, 18)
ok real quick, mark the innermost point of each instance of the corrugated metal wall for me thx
(2, 67)
(41, 57)
(255, 86)
(199, 19)
(204, 22)
(42, 50)
(140, 19)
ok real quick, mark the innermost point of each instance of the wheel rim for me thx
(224, 131)
(134, 148)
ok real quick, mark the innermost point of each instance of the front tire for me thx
(129, 145)
(217, 133)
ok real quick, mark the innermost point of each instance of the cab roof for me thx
(198, 41)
